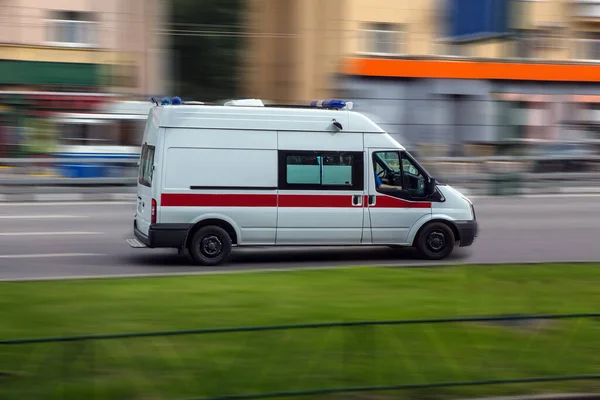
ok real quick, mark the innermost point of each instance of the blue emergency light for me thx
(165, 101)
(335, 104)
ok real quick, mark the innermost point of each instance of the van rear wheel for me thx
(210, 246)
(436, 241)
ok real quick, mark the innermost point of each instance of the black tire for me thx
(435, 241)
(210, 246)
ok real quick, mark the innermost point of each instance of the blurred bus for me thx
(114, 133)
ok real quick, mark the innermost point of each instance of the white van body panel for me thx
(221, 139)
(412, 233)
(335, 141)
(208, 166)
(456, 207)
(312, 217)
(384, 141)
(196, 161)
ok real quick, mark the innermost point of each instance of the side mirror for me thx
(430, 187)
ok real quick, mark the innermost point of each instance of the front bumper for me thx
(163, 235)
(467, 232)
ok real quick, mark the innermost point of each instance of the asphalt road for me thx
(58, 240)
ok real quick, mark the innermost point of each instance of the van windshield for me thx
(146, 166)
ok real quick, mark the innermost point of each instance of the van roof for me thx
(279, 118)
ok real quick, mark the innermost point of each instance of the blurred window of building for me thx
(477, 19)
(72, 29)
(586, 9)
(512, 119)
(534, 43)
(590, 46)
(382, 38)
(451, 48)
(525, 39)
(547, 40)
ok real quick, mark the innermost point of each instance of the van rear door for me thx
(146, 206)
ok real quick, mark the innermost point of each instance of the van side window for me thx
(146, 163)
(314, 170)
(303, 169)
(337, 170)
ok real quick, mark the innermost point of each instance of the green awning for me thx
(14, 72)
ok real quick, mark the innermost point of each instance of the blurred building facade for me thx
(445, 72)
(74, 56)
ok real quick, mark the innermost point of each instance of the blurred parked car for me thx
(554, 157)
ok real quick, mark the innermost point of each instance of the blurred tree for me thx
(206, 36)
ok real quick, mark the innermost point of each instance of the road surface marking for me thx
(58, 255)
(49, 233)
(42, 216)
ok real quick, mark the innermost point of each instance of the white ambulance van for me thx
(214, 177)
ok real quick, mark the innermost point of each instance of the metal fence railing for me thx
(488, 174)
(316, 359)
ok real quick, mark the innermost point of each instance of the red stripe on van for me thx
(392, 202)
(315, 201)
(219, 200)
(285, 201)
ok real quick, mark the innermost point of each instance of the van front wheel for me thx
(210, 246)
(436, 241)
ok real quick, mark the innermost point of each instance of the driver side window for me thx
(396, 175)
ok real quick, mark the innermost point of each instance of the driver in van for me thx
(384, 187)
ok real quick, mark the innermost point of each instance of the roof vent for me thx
(245, 103)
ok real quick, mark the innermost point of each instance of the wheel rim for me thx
(436, 241)
(211, 246)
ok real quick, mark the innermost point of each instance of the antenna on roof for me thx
(152, 99)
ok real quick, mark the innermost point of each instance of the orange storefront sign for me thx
(461, 69)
